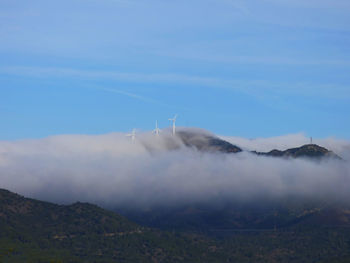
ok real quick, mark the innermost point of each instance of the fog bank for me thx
(110, 170)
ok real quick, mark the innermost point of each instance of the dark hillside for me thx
(35, 231)
(208, 143)
(312, 151)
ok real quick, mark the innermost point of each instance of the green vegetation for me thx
(35, 231)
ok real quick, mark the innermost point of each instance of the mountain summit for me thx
(207, 142)
(307, 150)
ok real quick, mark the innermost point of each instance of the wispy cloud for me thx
(253, 87)
(238, 5)
(128, 94)
(314, 4)
(252, 60)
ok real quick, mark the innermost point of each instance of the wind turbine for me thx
(156, 130)
(173, 120)
(132, 135)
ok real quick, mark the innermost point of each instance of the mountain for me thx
(206, 142)
(36, 231)
(306, 151)
(242, 216)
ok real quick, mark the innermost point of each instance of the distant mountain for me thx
(206, 142)
(306, 151)
(210, 143)
(289, 231)
(258, 215)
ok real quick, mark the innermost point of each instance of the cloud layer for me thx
(112, 171)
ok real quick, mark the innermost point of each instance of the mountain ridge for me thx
(308, 150)
(206, 142)
(38, 231)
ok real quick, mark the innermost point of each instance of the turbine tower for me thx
(132, 135)
(156, 131)
(173, 120)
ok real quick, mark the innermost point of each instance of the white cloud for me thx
(110, 170)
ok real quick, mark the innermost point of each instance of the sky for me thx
(253, 68)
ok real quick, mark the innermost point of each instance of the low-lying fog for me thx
(110, 170)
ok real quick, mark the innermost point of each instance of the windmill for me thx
(156, 131)
(173, 120)
(132, 135)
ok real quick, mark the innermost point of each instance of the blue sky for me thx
(256, 68)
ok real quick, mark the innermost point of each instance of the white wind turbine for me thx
(173, 120)
(132, 135)
(156, 131)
